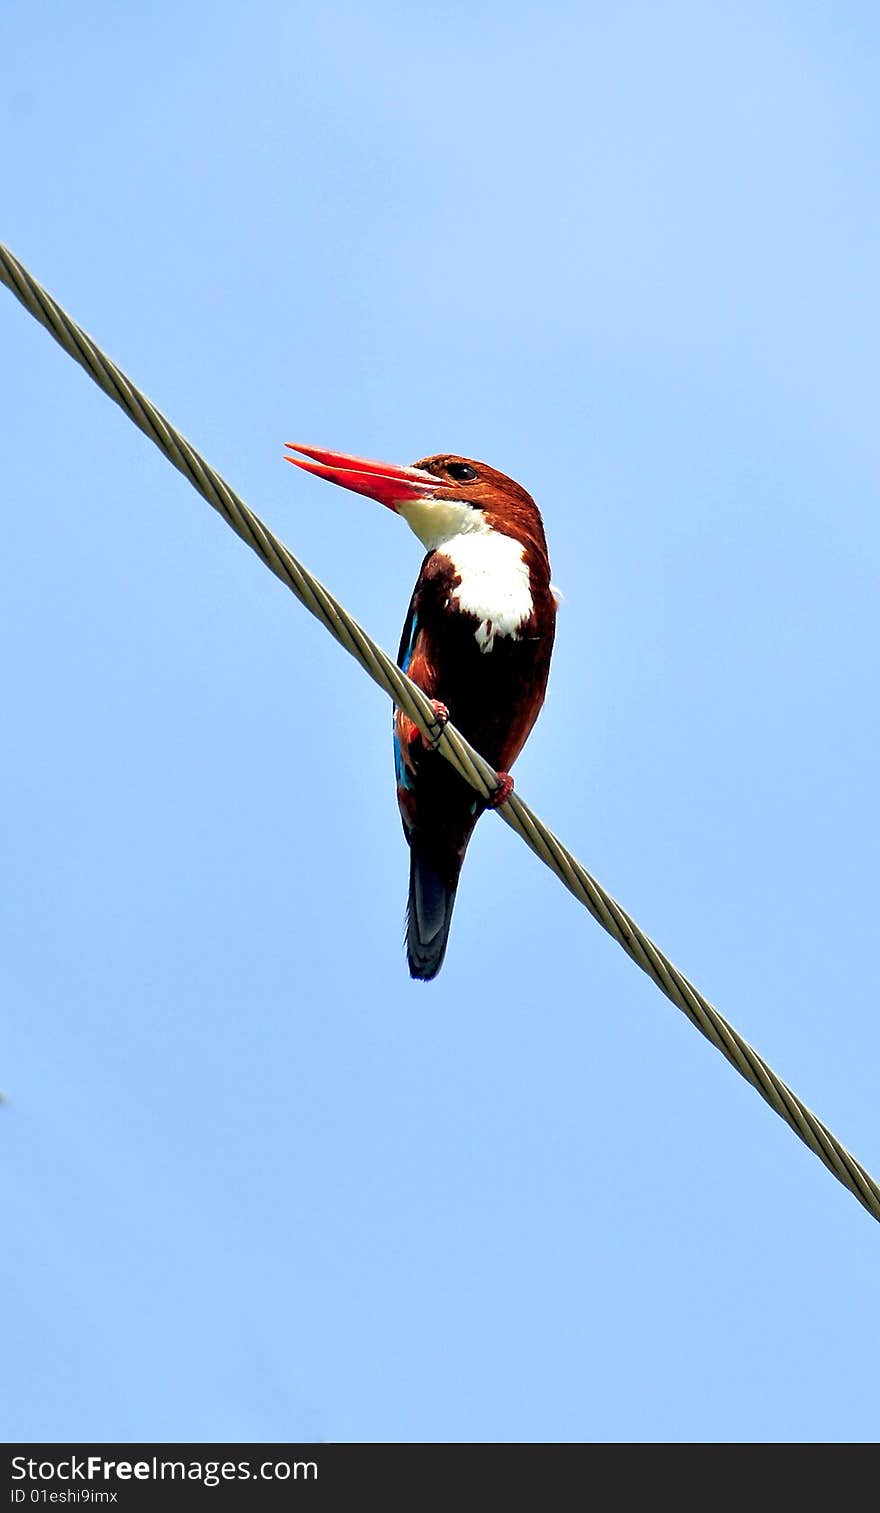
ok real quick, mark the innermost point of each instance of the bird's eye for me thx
(462, 472)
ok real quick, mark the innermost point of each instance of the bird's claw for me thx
(502, 793)
(441, 713)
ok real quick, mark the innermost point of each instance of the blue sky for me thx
(257, 1184)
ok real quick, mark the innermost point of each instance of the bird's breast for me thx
(489, 579)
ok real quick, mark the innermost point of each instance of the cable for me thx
(472, 767)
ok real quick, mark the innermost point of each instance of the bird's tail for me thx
(428, 915)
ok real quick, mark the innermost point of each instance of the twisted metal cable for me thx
(472, 767)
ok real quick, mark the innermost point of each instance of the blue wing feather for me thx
(408, 641)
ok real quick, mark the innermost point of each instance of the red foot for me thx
(431, 742)
(502, 793)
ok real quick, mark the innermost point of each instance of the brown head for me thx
(439, 497)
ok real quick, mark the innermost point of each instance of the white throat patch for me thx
(494, 576)
(436, 521)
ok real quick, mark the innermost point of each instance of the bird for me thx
(477, 639)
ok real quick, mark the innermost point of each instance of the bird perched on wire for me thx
(477, 639)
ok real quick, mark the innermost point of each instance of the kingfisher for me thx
(477, 640)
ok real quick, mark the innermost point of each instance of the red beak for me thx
(384, 481)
